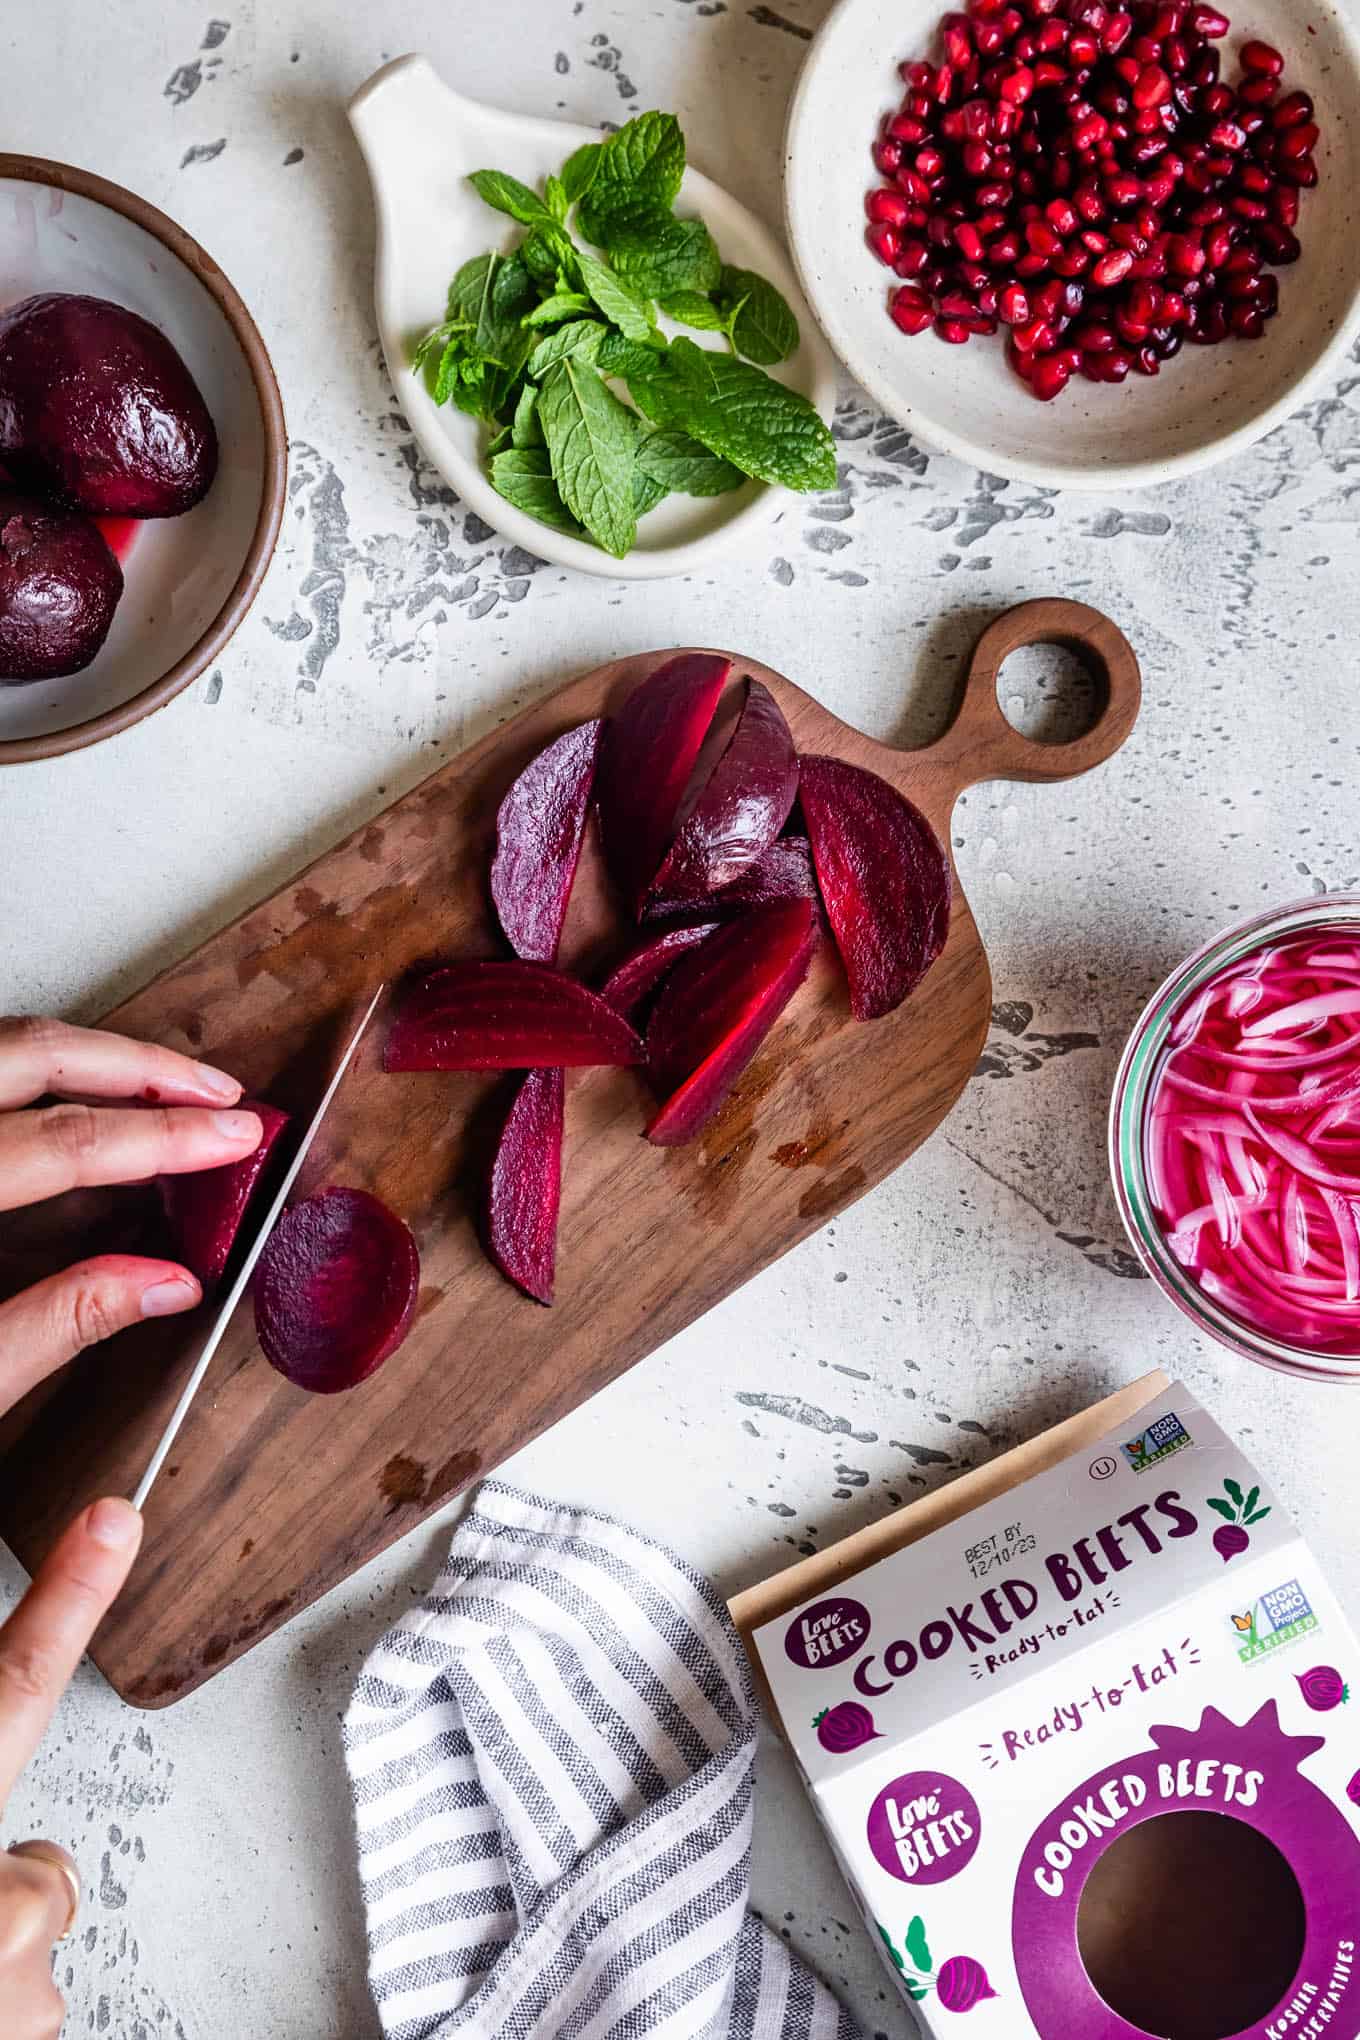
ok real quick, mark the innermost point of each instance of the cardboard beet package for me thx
(1088, 1755)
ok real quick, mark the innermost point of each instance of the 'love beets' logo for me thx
(924, 1827)
(827, 1633)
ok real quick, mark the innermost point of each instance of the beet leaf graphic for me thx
(1239, 1509)
(960, 1982)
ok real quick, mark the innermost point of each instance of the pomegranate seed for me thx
(1046, 72)
(1123, 188)
(1246, 322)
(1296, 141)
(1284, 205)
(1093, 241)
(1052, 36)
(903, 128)
(1218, 245)
(1303, 171)
(1260, 56)
(1013, 305)
(1036, 336)
(1250, 208)
(1226, 134)
(1088, 200)
(976, 158)
(1071, 262)
(914, 185)
(1269, 299)
(968, 241)
(910, 309)
(1004, 250)
(887, 208)
(1041, 238)
(920, 77)
(1017, 86)
(944, 84)
(952, 330)
(1151, 88)
(1050, 301)
(1049, 378)
(1111, 268)
(913, 258)
(1147, 361)
(1208, 21)
(1258, 91)
(1005, 120)
(975, 119)
(929, 162)
(1093, 337)
(1116, 32)
(887, 155)
(1082, 46)
(1030, 264)
(885, 243)
(1089, 131)
(1061, 215)
(1291, 110)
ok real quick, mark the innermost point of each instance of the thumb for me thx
(45, 1637)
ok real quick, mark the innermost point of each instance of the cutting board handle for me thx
(981, 744)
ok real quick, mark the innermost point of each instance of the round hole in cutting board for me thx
(1191, 1926)
(1049, 693)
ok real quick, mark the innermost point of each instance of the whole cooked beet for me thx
(59, 587)
(98, 410)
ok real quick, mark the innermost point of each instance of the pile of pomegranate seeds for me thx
(1081, 174)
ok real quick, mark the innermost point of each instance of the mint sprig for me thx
(545, 342)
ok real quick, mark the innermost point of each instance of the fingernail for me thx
(163, 1299)
(238, 1125)
(217, 1081)
(114, 1524)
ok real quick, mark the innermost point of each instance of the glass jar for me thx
(1137, 1084)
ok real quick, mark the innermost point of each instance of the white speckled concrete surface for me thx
(978, 1294)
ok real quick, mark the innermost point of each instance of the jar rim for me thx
(1138, 1066)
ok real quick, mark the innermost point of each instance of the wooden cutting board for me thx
(271, 1496)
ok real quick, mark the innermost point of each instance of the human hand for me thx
(46, 1149)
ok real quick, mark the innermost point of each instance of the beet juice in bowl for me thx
(1235, 1138)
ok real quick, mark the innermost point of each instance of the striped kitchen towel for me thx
(552, 1767)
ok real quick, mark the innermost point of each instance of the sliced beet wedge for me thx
(505, 1016)
(718, 1006)
(335, 1290)
(884, 876)
(782, 872)
(526, 1185)
(650, 750)
(739, 811)
(631, 982)
(204, 1211)
(539, 828)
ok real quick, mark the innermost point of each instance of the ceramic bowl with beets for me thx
(142, 459)
(1082, 243)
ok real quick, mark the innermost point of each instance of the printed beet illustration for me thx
(845, 1727)
(1237, 1510)
(960, 1982)
(98, 410)
(1323, 1688)
(1353, 1790)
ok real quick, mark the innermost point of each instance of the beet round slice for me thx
(526, 1185)
(335, 1290)
(204, 1211)
(505, 1016)
(783, 872)
(739, 812)
(641, 971)
(649, 752)
(884, 876)
(539, 827)
(717, 1007)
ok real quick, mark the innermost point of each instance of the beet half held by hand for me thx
(738, 813)
(526, 1185)
(539, 827)
(650, 749)
(884, 876)
(335, 1290)
(97, 409)
(717, 1007)
(783, 872)
(59, 587)
(205, 1210)
(505, 1016)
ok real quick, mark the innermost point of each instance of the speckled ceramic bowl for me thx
(1207, 403)
(188, 580)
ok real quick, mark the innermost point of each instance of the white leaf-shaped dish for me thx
(420, 139)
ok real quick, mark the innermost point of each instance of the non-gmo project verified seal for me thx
(1280, 1617)
(1162, 1437)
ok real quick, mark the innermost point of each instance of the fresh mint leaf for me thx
(591, 441)
(549, 254)
(526, 430)
(501, 443)
(507, 195)
(524, 478)
(563, 304)
(615, 299)
(682, 465)
(692, 308)
(578, 171)
(743, 415)
(637, 178)
(429, 348)
(762, 327)
(647, 492)
(491, 294)
(626, 358)
(651, 392)
(668, 256)
(582, 337)
(555, 198)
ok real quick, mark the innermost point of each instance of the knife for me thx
(247, 1269)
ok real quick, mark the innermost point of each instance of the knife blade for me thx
(247, 1268)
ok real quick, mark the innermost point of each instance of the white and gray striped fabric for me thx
(552, 1767)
